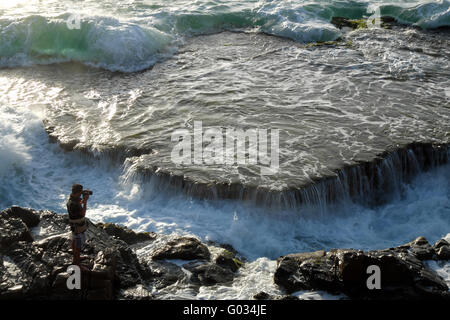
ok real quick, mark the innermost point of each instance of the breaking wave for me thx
(134, 44)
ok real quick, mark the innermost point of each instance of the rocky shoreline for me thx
(35, 254)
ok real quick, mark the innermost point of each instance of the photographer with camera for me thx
(76, 207)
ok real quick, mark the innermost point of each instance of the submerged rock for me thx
(341, 22)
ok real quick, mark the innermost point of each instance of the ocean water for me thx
(113, 90)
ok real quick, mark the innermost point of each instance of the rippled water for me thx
(334, 105)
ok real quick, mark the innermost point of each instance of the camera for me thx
(86, 193)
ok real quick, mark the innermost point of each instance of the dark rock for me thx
(305, 271)
(163, 274)
(125, 234)
(28, 216)
(441, 243)
(420, 248)
(184, 248)
(341, 22)
(403, 276)
(37, 269)
(300, 257)
(265, 296)
(55, 250)
(50, 224)
(207, 274)
(97, 284)
(60, 291)
(443, 253)
(12, 230)
(24, 270)
(262, 296)
(442, 250)
(288, 297)
(228, 260)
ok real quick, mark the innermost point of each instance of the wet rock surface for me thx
(228, 260)
(402, 273)
(442, 250)
(125, 234)
(34, 263)
(184, 248)
(35, 255)
(341, 22)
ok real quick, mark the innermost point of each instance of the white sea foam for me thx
(121, 37)
(442, 268)
(47, 174)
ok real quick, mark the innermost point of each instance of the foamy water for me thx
(131, 35)
(38, 174)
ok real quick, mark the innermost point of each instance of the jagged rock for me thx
(443, 253)
(184, 248)
(55, 250)
(307, 271)
(403, 276)
(36, 269)
(163, 274)
(262, 296)
(97, 284)
(208, 273)
(28, 216)
(125, 234)
(12, 230)
(440, 243)
(420, 248)
(50, 224)
(22, 268)
(228, 260)
(300, 257)
(442, 250)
